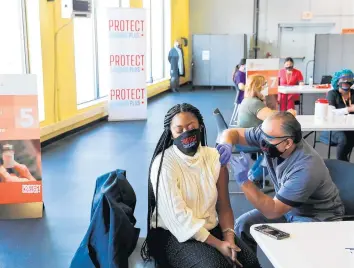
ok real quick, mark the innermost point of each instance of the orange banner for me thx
(348, 31)
(20, 153)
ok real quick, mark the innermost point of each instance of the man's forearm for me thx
(259, 200)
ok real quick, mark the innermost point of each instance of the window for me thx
(12, 48)
(84, 59)
(20, 20)
(35, 50)
(158, 39)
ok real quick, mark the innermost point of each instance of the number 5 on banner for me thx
(26, 119)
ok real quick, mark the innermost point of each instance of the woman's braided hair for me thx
(165, 142)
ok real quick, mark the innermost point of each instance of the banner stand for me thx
(21, 211)
(126, 61)
(20, 148)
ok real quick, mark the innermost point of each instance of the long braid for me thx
(165, 142)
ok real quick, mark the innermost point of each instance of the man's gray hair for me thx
(289, 125)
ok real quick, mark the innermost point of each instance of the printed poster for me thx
(20, 148)
(269, 68)
(127, 60)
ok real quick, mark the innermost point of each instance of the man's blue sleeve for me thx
(253, 136)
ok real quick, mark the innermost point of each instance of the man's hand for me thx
(240, 167)
(351, 108)
(292, 111)
(22, 170)
(225, 151)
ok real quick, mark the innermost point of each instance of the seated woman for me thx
(190, 220)
(239, 78)
(253, 111)
(342, 98)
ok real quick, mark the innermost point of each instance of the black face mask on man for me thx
(188, 142)
(272, 150)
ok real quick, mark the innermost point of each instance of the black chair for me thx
(342, 175)
(221, 127)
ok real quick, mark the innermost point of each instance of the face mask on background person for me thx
(346, 85)
(289, 68)
(265, 91)
(188, 142)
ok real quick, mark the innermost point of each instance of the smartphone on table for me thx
(272, 232)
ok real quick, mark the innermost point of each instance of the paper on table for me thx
(205, 55)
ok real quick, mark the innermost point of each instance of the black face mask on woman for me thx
(188, 142)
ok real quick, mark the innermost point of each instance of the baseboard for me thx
(21, 211)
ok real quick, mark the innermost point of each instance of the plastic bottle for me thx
(310, 81)
(8, 156)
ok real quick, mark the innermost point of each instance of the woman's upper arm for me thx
(223, 189)
(264, 113)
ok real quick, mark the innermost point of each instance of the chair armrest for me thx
(340, 218)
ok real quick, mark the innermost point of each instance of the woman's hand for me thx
(351, 108)
(229, 250)
(292, 111)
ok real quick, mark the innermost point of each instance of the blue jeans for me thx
(244, 222)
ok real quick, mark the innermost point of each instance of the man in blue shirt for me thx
(304, 189)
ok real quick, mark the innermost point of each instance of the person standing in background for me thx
(239, 78)
(289, 76)
(175, 58)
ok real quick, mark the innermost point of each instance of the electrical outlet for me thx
(307, 15)
(66, 9)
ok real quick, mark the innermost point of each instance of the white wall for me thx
(236, 16)
(273, 12)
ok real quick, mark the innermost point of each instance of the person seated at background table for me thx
(253, 111)
(342, 98)
(289, 76)
(239, 78)
(190, 220)
(304, 188)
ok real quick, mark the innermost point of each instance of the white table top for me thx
(305, 89)
(337, 123)
(311, 245)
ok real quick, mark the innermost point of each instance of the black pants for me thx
(169, 253)
(345, 143)
(174, 83)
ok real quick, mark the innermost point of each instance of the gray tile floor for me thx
(71, 166)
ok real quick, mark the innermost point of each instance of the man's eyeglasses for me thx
(266, 137)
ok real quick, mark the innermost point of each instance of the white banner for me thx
(127, 59)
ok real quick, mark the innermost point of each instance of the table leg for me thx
(314, 139)
(301, 102)
(329, 145)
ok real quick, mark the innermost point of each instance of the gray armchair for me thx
(342, 174)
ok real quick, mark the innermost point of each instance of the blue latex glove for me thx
(240, 167)
(225, 151)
